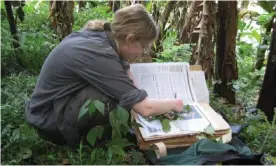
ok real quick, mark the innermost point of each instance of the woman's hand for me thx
(153, 107)
(178, 105)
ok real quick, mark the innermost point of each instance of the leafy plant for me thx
(35, 37)
(136, 157)
(17, 137)
(172, 52)
(83, 16)
(260, 134)
(181, 53)
(91, 106)
(94, 133)
(119, 121)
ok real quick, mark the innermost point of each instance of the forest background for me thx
(230, 39)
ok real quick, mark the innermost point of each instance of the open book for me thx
(176, 80)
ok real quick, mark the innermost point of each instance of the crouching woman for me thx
(92, 64)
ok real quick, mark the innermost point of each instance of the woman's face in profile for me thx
(133, 48)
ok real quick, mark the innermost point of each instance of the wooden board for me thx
(195, 68)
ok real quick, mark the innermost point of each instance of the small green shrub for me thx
(81, 17)
(174, 53)
(36, 40)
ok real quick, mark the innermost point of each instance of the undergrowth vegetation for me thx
(19, 68)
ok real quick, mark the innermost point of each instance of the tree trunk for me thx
(267, 99)
(63, 20)
(19, 11)
(261, 51)
(155, 12)
(82, 4)
(12, 24)
(188, 24)
(226, 64)
(52, 24)
(143, 2)
(114, 5)
(204, 53)
(179, 25)
(162, 23)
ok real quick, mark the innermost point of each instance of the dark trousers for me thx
(70, 130)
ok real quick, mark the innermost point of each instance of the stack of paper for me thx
(175, 80)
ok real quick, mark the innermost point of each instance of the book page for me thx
(200, 86)
(189, 123)
(165, 80)
(169, 80)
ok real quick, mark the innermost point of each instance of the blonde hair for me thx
(97, 25)
(133, 19)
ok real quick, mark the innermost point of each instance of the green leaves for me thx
(266, 5)
(114, 121)
(137, 157)
(135, 124)
(116, 147)
(171, 52)
(149, 6)
(187, 108)
(117, 150)
(91, 106)
(210, 130)
(93, 155)
(122, 114)
(123, 142)
(265, 19)
(100, 106)
(98, 156)
(166, 125)
(118, 117)
(109, 155)
(95, 133)
(253, 35)
(84, 109)
(119, 121)
(25, 153)
(124, 129)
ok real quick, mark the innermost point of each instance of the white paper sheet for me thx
(200, 86)
(193, 122)
(164, 80)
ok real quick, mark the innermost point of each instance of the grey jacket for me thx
(83, 58)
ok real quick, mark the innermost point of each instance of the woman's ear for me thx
(130, 38)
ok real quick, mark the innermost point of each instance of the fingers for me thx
(169, 116)
(179, 105)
